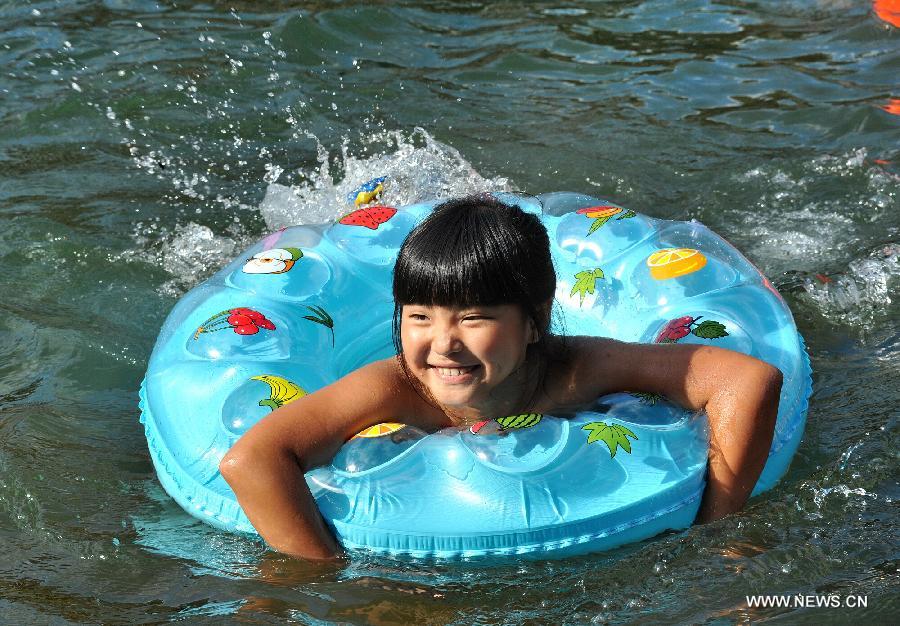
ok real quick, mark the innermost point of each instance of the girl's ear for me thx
(546, 309)
(544, 321)
(534, 335)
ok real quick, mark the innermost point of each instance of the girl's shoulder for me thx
(582, 368)
(387, 391)
(580, 354)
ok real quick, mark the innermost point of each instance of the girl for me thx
(473, 291)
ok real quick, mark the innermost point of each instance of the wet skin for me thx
(471, 361)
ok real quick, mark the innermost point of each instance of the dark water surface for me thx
(144, 144)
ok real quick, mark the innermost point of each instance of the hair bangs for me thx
(476, 251)
(471, 267)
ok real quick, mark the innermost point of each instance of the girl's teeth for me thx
(454, 371)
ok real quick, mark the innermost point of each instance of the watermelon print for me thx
(370, 217)
(502, 424)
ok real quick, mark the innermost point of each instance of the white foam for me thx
(863, 291)
(806, 216)
(190, 254)
(418, 167)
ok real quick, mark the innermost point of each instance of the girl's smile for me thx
(454, 374)
(470, 359)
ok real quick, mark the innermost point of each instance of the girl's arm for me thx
(266, 467)
(739, 394)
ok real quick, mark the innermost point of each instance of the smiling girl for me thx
(473, 292)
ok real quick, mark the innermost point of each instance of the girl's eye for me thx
(418, 316)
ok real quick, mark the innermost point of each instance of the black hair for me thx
(477, 251)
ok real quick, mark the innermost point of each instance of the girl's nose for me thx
(446, 342)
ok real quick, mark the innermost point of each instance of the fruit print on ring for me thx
(602, 214)
(320, 316)
(510, 422)
(585, 283)
(368, 192)
(681, 327)
(615, 436)
(379, 430)
(242, 320)
(273, 261)
(674, 262)
(371, 217)
(645, 397)
(281, 391)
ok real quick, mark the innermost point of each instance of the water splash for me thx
(417, 166)
(840, 496)
(803, 216)
(189, 253)
(862, 292)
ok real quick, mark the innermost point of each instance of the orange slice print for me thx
(600, 211)
(672, 262)
(379, 430)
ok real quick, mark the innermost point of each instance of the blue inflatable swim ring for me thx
(307, 305)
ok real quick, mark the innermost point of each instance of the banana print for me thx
(281, 389)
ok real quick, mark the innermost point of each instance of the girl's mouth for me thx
(454, 374)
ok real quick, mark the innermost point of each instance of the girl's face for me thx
(470, 360)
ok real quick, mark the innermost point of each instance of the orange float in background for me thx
(893, 106)
(888, 11)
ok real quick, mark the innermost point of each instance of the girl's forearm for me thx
(265, 468)
(272, 491)
(741, 421)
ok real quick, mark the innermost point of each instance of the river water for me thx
(144, 144)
